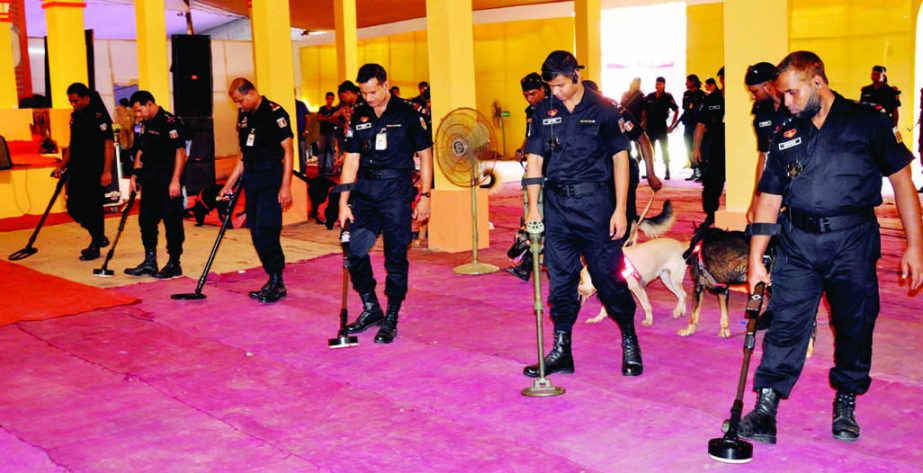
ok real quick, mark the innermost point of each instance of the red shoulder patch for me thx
(790, 133)
(552, 112)
(363, 119)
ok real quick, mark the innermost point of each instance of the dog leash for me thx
(634, 229)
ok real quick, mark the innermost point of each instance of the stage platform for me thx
(229, 384)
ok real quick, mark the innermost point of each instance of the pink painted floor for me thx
(228, 384)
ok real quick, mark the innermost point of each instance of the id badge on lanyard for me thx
(381, 140)
(251, 137)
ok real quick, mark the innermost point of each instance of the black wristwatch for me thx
(426, 194)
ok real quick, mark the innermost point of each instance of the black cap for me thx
(720, 72)
(347, 85)
(531, 81)
(759, 73)
(881, 69)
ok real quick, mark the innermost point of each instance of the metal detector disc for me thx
(23, 254)
(343, 342)
(475, 269)
(542, 387)
(727, 450)
(103, 273)
(191, 296)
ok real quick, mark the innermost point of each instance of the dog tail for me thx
(658, 225)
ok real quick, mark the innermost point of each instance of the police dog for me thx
(658, 258)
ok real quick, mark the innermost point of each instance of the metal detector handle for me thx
(234, 195)
(131, 202)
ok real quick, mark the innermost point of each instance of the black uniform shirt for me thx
(159, 139)
(711, 113)
(90, 128)
(586, 138)
(766, 122)
(633, 102)
(692, 102)
(260, 132)
(887, 97)
(327, 128)
(839, 167)
(658, 109)
(389, 141)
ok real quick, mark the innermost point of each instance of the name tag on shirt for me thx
(551, 121)
(790, 143)
(363, 126)
(251, 137)
(381, 141)
(714, 107)
(765, 124)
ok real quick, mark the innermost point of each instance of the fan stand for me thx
(475, 267)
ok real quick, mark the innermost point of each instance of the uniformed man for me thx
(577, 148)
(534, 91)
(768, 115)
(88, 161)
(692, 102)
(710, 85)
(633, 98)
(654, 115)
(159, 162)
(330, 126)
(264, 134)
(825, 167)
(711, 128)
(349, 99)
(883, 95)
(377, 181)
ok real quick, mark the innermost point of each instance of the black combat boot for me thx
(275, 291)
(388, 330)
(523, 270)
(148, 267)
(371, 314)
(845, 427)
(91, 252)
(171, 270)
(760, 423)
(631, 350)
(559, 360)
(256, 294)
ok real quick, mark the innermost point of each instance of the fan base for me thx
(475, 269)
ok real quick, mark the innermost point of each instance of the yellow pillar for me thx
(8, 98)
(450, 37)
(344, 14)
(67, 50)
(275, 78)
(753, 32)
(153, 71)
(587, 17)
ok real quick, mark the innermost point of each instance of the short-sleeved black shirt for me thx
(587, 138)
(260, 132)
(841, 165)
(325, 127)
(711, 114)
(389, 141)
(692, 102)
(767, 120)
(887, 97)
(633, 102)
(90, 128)
(158, 141)
(630, 124)
(658, 109)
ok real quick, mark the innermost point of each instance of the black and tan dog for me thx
(718, 262)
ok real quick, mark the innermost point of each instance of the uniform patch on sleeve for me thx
(897, 135)
(629, 126)
(103, 127)
(349, 132)
(423, 123)
(282, 123)
(174, 134)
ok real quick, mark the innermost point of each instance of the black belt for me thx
(814, 224)
(574, 190)
(261, 165)
(384, 174)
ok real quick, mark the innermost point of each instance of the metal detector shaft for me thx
(535, 239)
(28, 250)
(344, 300)
(224, 226)
(754, 305)
(118, 233)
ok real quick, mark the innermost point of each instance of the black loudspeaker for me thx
(192, 75)
(6, 161)
(200, 166)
